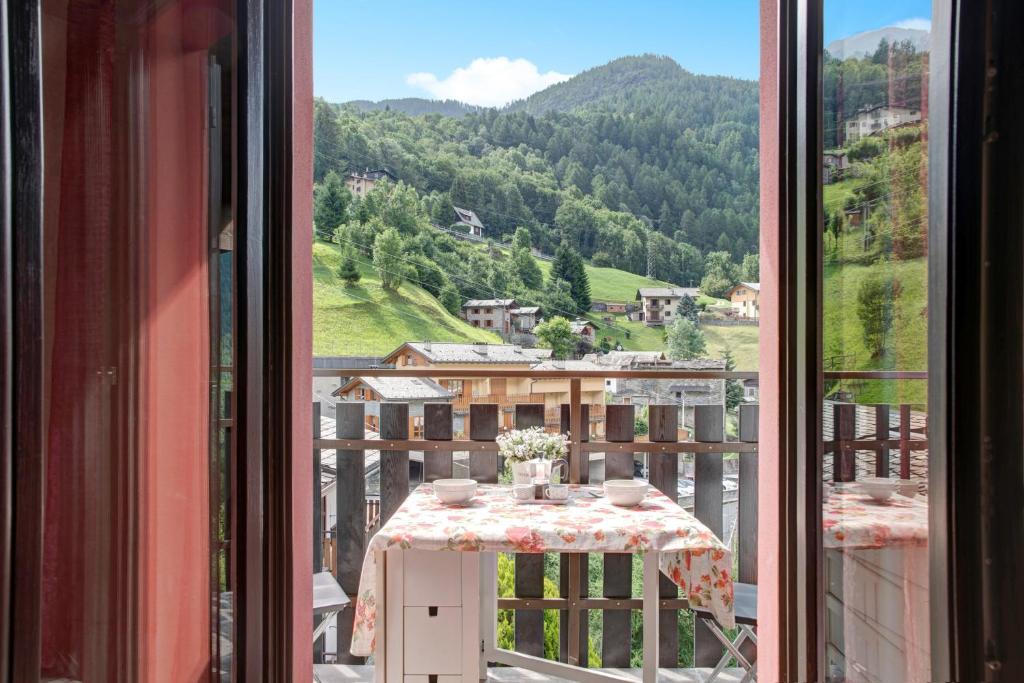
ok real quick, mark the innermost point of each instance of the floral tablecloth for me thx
(691, 555)
(854, 520)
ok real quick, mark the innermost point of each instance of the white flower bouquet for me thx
(522, 445)
(529, 453)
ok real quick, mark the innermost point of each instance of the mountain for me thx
(864, 44)
(416, 106)
(639, 165)
(621, 83)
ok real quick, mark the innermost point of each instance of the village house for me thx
(412, 390)
(503, 391)
(873, 120)
(584, 329)
(359, 183)
(658, 305)
(490, 314)
(470, 220)
(833, 166)
(524, 319)
(745, 300)
(685, 393)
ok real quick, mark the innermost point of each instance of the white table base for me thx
(390, 646)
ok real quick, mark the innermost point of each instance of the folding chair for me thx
(745, 602)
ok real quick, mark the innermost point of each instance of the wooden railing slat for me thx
(708, 425)
(350, 515)
(394, 465)
(882, 434)
(566, 563)
(529, 577)
(616, 636)
(844, 463)
(663, 473)
(746, 513)
(483, 426)
(747, 510)
(437, 426)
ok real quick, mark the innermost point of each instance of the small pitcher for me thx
(559, 471)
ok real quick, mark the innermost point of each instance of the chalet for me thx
(658, 305)
(490, 314)
(877, 119)
(412, 390)
(359, 183)
(470, 220)
(745, 299)
(506, 392)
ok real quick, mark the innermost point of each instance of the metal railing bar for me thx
(587, 603)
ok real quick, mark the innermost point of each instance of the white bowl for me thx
(455, 491)
(879, 488)
(625, 492)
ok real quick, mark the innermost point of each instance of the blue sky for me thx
(493, 51)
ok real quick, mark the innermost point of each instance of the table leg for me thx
(488, 609)
(651, 614)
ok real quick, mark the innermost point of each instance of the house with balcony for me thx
(658, 305)
(745, 299)
(361, 182)
(506, 393)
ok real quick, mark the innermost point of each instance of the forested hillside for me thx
(631, 162)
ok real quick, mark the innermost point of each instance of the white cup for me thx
(523, 491)
(556, 491)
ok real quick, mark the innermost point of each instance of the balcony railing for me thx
(659, 457)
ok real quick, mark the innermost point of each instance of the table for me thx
(669, 538)
(876, 572)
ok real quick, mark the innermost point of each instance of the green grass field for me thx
(906, 349)
(611, 284)
(366, 319)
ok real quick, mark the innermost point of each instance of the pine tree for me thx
(580, 284)
(349, 271)
(733, 388)
(330, 205)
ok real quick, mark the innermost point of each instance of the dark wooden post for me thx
(350, 517)
(574, 568)
(483, 426)
(437, 426)
(617, 633)
(882, 434)
(663, 471)
(394, 465)
(844, 462)
(709, 426)
(318, 528)
(529, 577)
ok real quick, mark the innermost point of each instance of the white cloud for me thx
(919, 23)
(488, 82)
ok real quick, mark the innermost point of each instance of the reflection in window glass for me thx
(875, 319)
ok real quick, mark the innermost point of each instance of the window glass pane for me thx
(875, 327)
